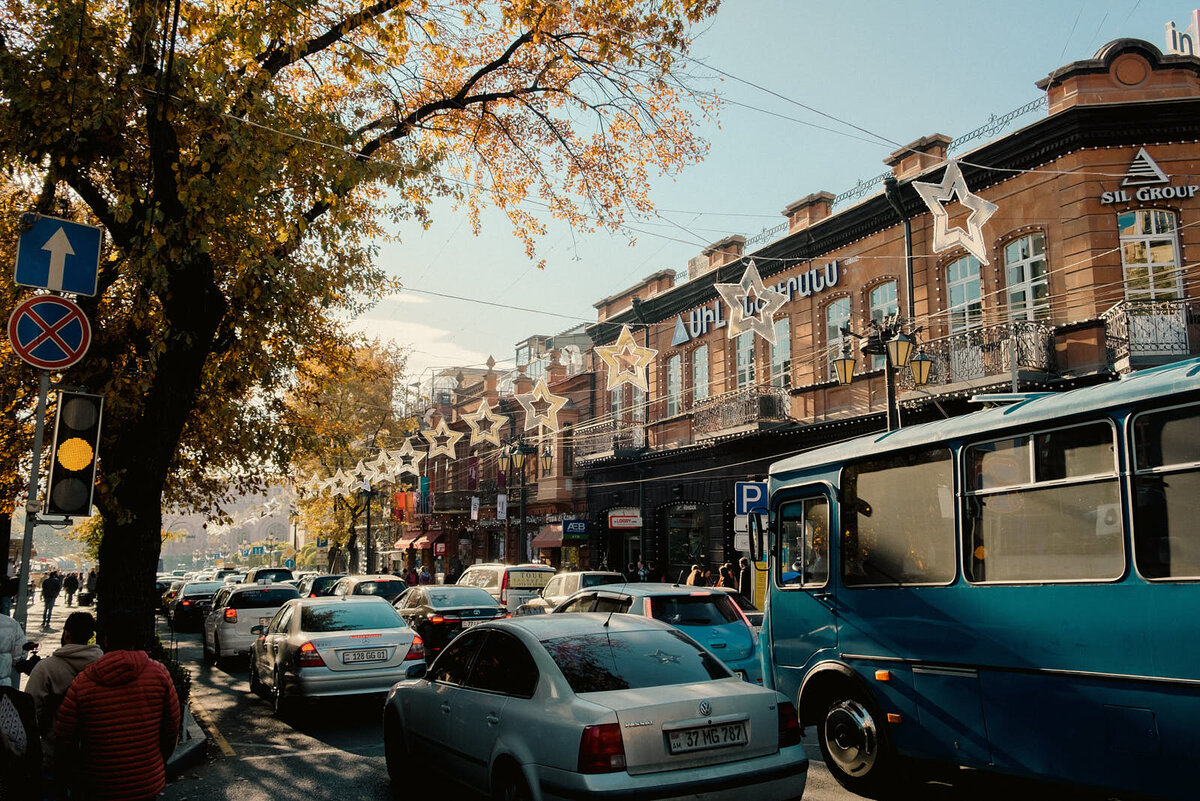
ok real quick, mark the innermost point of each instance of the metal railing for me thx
(986, 352)
(608, 436)
(1146, 328)
(745, 406)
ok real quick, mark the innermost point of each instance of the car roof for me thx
(643, 589)
(341, 599)
(547, 627)
(375, 577)
(526, 566)
(270, 585)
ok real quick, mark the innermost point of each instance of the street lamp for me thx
(514, 456)
(888, 339)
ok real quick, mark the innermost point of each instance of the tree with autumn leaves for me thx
(245, 161)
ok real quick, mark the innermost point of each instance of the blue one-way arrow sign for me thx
(60, 255)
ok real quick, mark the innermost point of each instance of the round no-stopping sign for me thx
(49, 332)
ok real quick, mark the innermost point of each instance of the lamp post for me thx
(271, 549)
(368, 493)
(887, 339)
(514, 456)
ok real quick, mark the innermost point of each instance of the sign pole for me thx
(31, 504)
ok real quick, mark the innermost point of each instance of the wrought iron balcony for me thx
(1146, 331)
(985, 353)
(608, 437)
(743, 407)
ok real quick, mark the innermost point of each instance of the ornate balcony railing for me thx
(608, 436)
(746, 406)
(986, 352)
(1146, 328)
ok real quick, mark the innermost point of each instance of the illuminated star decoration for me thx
(378, 468)
(751, 293)
(405, 460)
(935, 195)
(541, 407)
(340, 483)
(492, 432)
(442, 440)
(626, 361)
(663, 658)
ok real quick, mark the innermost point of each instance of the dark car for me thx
(161, 586)
(439, 613)
(192, 604)
(319, 585)
(167, 599)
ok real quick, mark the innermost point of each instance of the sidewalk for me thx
(193, 739)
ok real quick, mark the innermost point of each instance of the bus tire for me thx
(856, 747)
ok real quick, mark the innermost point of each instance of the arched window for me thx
(966, 294)
(700, 374)
(883, 304)
(1025, 273)
(781, 355)
(1150, 255)
(745, 359)
(674, 384)
(837, 317)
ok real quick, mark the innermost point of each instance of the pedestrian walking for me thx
(12, 642)
(50, 589)
(48, 683)
(744, 586)
(643, 571)
(410, 577)
(70, 586)
(695, 577)
(727, 578)
(20, 748)
(119, 720)
(92, 580)
(631, 572)
(425, 577)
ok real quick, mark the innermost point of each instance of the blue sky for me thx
(899, 70)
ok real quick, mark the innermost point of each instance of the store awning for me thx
(427, 541)
(404, 543)
(549, 536)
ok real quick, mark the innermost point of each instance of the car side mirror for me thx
(258, 630)
(754, 521)
(418, 671)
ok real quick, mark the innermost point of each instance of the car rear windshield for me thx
(460, 596)
(631, 660)
(387, 589)
(262, 599)
(596, 579)
(203, 587)
(529, 579)
(694, 610)
(349, 617)
(273, 575)
(322, 583)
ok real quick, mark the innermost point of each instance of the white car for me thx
(236, 609)
(591, 706)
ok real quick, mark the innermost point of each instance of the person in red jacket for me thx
(119, 720)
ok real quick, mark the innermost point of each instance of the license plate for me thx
(353, 657)
(466, 624)
(704, 737)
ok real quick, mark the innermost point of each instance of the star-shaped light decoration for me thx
(935, 195)
(340, 483)
(626, 361)
(475, 421)
(442, 440)
(379, 467)
(751, 293)
(405, 460)
(541, 406)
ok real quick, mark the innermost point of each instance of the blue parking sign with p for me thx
(749, 496)
(59, 255)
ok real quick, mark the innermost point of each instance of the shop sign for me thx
(712, 317)
(1183, 44)
(1145, 182)
(575, 529)
(624, 521)
(439, 549)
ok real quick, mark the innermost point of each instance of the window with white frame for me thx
(966, 294)
(745, 359)
(614, 401)
(1150, 255)
(1025, 273)
(883, 303)
(837, 318)
(674, 384)
(700, 374)
(781, 355)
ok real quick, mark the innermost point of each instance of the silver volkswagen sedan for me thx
(315, 647)
(549, 707)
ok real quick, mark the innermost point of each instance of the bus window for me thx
(898, 518)
(803, 543)
(1044, 507)
(1167, 493)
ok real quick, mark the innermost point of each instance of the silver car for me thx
(591, 706)
(318, 647)
(236, 609)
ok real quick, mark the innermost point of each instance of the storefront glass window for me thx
(1150, 255)
(686, 539)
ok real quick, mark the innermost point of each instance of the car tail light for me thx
(185, 603)
(416, 650)
(231, 616)
(504, 588)
(435, 619)
(312, 595)
(309, 656)
(601, 749)
(789, 725)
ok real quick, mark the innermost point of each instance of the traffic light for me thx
(73, 458)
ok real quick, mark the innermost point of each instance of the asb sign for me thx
(59, 255)
(575, 529)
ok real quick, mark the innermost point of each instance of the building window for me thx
(1150, 255)
(966, 294)
(674, 384)
(781, 355)
(883, 304)
(1166, 495)
(1028, 287)
(614, 401)
(700, 374)
(745, 359)
(837, 317)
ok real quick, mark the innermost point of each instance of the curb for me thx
(191, 748)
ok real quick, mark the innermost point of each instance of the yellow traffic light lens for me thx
(75, 454)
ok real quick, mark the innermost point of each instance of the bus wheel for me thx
(855, 748)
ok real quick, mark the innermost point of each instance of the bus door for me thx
(803, 604)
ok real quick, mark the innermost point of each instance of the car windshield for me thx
(322, 583)
(349, 617)
(384, 588)
(460, 596)
(202, 588)
(262, 599)
(694, 610)
(529, 579)
(596, 579)
(273, 575)
(631, 660)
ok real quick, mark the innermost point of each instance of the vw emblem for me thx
(705, 708)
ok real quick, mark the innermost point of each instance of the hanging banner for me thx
(475, 507)
(398, 506)
(424, 507)
(472, 473)
(501, 479)
(501, 507)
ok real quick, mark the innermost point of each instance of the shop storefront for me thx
(682, 527)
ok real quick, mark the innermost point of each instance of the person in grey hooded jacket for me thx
(52, 676)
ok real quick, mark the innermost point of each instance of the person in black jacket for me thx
(744, 585)
(50, 589)
(70, 586)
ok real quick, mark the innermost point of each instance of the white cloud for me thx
(430, 346)
(403, 297)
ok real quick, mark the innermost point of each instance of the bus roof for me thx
(1158, 382)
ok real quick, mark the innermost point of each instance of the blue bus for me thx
(1014, 590)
